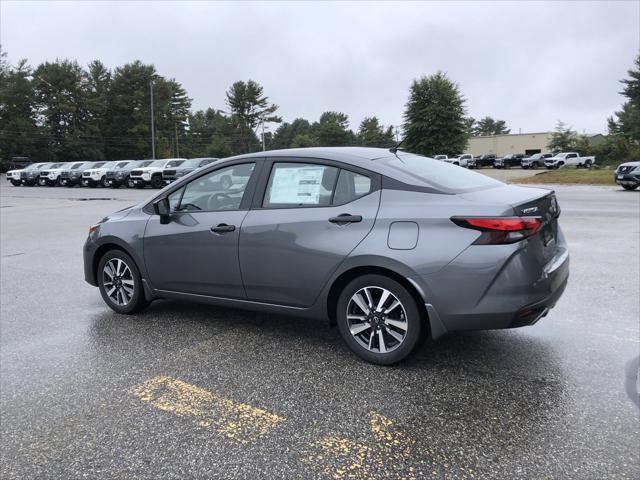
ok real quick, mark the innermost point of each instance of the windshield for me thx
(157, 164)
(121, 164)
(559, 155)
(535, 156)
(34, 166)
(144, 163)
(76, 165)
(423, 171)
(174, 163)
(56, 165)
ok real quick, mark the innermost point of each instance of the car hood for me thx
(95, 170)
(629, 164)
(10, 172)
(149, 169)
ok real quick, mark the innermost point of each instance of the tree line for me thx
(61, 111)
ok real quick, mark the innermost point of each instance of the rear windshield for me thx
(424, 171)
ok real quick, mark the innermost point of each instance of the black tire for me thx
(414, 320)
(534, 165)
(128, 182)
(41, 182)
(16, 183)
(156, 181)
(137, 301)
(560, 164)
(104, 182)
(629, 187)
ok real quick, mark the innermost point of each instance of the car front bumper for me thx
(627, 179)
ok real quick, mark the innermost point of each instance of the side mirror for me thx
(162, 208)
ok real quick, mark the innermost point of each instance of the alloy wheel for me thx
(118, 282)
(377, 319)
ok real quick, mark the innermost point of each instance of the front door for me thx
(311, 217)
(197, 251)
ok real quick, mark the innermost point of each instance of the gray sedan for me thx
(387, 245)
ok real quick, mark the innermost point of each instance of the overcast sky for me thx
(527, 63)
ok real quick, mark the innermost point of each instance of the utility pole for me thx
(263, 149)
(175, 126)
(153, 133)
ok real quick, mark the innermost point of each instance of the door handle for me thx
(346, 218)
(223, 228)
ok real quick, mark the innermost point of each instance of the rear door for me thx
(308, 215)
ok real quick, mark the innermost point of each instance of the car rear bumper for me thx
(480, 290)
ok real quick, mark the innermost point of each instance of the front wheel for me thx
(16, 183)
(120, 283)
(104, 182)
(156, 181)
(379, 319)
(629, 187)
(42, 182)
(129, 183)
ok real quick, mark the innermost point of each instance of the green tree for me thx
(563, 138)
(209, 134)
(372, 134)
(488, 126)
(470, 125)
(62, 101)
(303, 140)
(249, 107)
(333, 130)
(19, 132)
(434, 120)
(627, 121)
(286, 133)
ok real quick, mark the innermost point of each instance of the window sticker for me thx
(297, 185)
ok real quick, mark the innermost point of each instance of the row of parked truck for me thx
(547, 160)
(128, 173)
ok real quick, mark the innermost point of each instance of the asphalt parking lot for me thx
(191, 391)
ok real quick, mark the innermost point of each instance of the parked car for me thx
(338, 234)
(534, 161)
(480, 161)
(29, 175)
(72, 175)
(509, 160)
(628, 175)
(121, 174)
(15, 176)
(171, 174)
(50, 176)
(569, 158)
(152, 173)
(461, 160)
(442, 158)
(95, 176)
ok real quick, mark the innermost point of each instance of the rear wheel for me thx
(379, 319)
(120, 283)
(629, 187)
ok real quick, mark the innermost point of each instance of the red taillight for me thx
(497, 230)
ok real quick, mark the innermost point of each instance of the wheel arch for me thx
(348, 275)
(108, 246)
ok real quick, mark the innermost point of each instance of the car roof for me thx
(362, 157)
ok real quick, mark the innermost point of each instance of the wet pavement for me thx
(192, 391)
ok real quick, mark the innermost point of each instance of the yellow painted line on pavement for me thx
(341, 458)
(237, 421)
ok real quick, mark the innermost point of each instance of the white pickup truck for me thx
(461, 160)
(569, 158)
